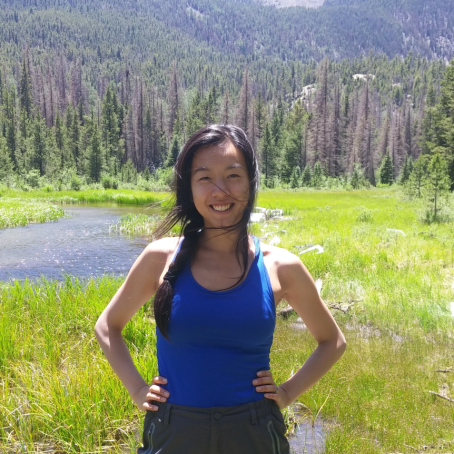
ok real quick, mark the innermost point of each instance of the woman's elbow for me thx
(341, 345)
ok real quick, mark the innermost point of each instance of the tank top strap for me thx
(256, 246)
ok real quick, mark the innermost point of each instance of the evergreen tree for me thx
(244, 107)
(437, 187)
(173, 152)
(96, 152)
(269, 164)
(295, 181)
(6, 164)
(26, 87)
(357, 177)
(387, 170)
(418, 177)
(306, 177)
(317, 177)
(110, 130)
(406, 169)
(38, 159)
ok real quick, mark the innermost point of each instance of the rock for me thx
(274, 241)
(257, 217)
(284, 313)
(396, 231)
(274, 213)
(316, 247)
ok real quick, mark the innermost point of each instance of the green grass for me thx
(19, 212)
(121, 196)
(57, 392)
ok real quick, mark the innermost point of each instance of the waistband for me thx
(251, 410)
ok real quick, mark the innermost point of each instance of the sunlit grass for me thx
(19, 212)
(58, 392)
(120, 196)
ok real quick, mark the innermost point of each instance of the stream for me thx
(80, 245)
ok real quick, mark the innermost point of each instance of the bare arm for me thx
(300, 292)
(140, 285)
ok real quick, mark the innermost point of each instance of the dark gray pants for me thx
(254, 428)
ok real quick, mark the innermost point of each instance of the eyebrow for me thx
(206, 169)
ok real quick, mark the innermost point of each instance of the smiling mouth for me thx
(220, 208)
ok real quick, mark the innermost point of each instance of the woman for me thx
(216, 292)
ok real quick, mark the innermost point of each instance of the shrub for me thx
(76, 182)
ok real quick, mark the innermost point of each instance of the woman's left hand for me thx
(265, 384)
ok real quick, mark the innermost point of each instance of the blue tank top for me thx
(219, 340)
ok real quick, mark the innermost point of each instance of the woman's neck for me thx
(219, 240)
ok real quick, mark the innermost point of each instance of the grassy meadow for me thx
(389, 290)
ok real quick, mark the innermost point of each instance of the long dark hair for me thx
(190, 220)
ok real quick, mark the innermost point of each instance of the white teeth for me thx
(221, 207)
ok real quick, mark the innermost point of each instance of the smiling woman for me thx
(220, 185)
(215, 308)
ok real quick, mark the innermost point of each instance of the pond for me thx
(80, 245)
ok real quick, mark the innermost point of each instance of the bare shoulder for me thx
(157, 256)
(163, 247)
(279, 257)
(286, 271)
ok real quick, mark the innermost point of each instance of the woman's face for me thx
(220, 184)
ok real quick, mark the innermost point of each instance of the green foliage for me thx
(436, 188)
(387, 170)
(128, 172)
(317, 177)
(418, 177)
(173, 152)
(407, 168)
(76, 182)
(306, 177)
(295, 180)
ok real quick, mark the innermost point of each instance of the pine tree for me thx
(437, 187)
(306, 177)
(244, 107)
(172, 99)
(387, 170)
(407, 168)
(418, 177)
(39, 145)
(110, 131)
(96, 152)
(173, 152)
(356, 179)
(6, 164)
(317, 177)
(269, 164)
(26, 88)
(295, 180)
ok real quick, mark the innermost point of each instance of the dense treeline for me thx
(238, 30)
(322, 123)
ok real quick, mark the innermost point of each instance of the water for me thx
(308, 439)
(80, 245)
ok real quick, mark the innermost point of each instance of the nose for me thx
(219, 188)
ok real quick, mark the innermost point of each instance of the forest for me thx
(78, 110)
(317, 127)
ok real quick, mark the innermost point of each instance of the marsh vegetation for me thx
(387, 277)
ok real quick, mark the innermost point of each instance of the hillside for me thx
(228, 31)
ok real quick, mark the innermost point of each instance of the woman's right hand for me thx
(145, 396)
